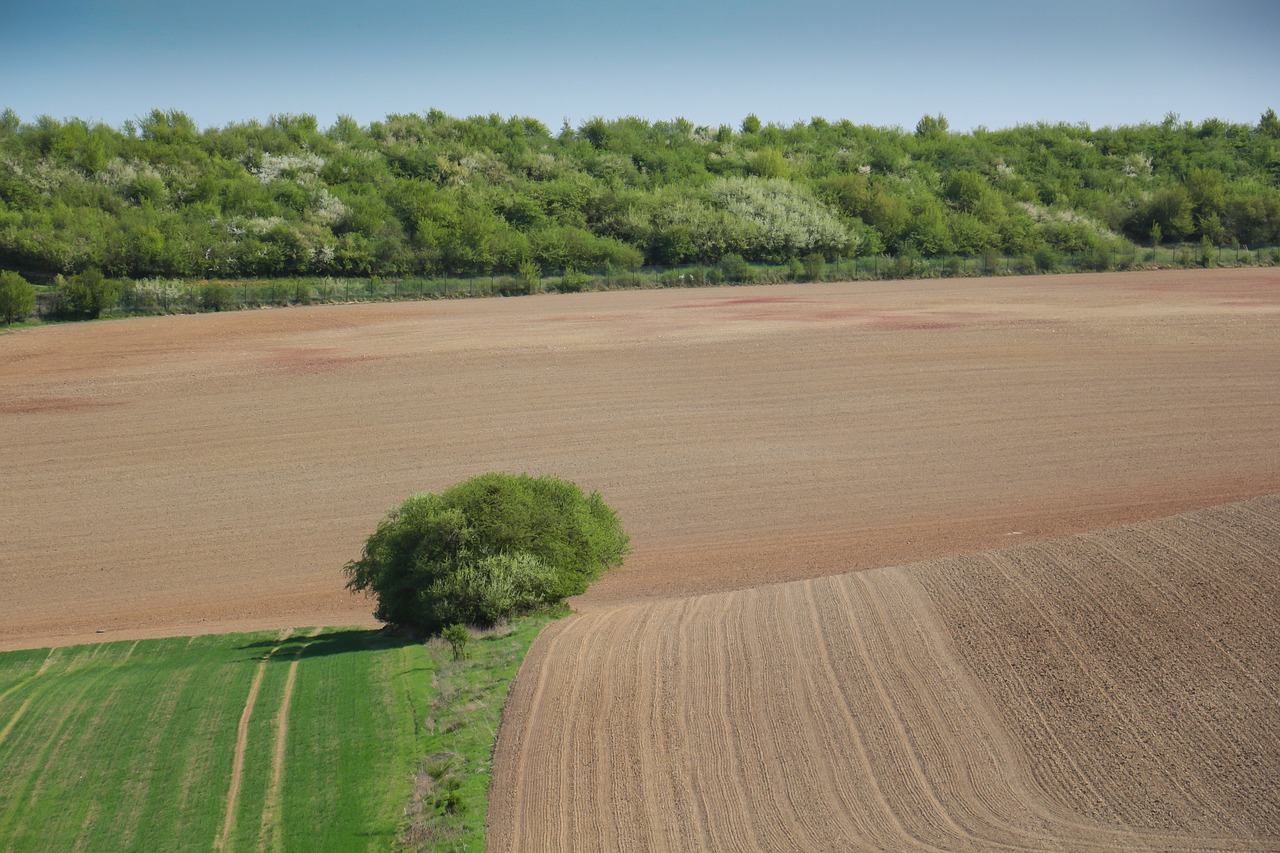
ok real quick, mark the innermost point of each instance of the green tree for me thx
(932, 127)
(17, 297)
(1269, 125)
(486, 549)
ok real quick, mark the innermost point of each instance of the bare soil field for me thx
(1107, 691)
(204, 473)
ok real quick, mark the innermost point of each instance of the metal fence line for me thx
(161, 296)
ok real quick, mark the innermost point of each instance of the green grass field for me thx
(333, 740)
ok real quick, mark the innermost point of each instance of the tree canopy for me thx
(428, 194)
(488, 548)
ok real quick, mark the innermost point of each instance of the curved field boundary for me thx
(991, 702)
(749, 436)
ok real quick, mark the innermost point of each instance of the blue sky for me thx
(985, 63)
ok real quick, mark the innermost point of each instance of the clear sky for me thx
(988, 63)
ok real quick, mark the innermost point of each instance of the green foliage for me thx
(448, 806)
(932, 127)
(735, 269)
(486, 549)
(457, 636)
(815, 266)
(217, 297)
(531, 275)
(772, 220)
(84, 296)
(431, 195)
(17, 297)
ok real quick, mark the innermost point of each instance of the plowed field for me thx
(1043, 666)
(214, 472)
(1115, 690)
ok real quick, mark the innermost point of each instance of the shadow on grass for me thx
(344, 641)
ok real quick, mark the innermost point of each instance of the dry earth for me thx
(1094, 687)
(1106, 691)
(214, 472)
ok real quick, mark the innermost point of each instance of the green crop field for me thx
(306, 740)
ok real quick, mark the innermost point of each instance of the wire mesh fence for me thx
(168, 296)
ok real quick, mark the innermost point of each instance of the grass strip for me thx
(449, 802)
(358, 740)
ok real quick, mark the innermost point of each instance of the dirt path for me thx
(269, 837)
(242, 740)
(1040, 697)
(214, 472)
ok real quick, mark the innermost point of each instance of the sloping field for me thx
(190, 474)
(1116, 690)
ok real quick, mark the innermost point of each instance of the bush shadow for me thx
(300, 644)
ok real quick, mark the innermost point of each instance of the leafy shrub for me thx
(17, 297)
(734, 269)
(84, 296)
(1046, 259)
(573, 282)
(486, 549)
(815, 266)
(156, 295)
(457, 636)
(531, 275)
(217, 297)
(672, 278)
(512, 287)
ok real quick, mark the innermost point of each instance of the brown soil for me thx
(1005, 686)
(214, 472)
(1109, 691)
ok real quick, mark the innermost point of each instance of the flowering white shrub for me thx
(157, 294)
(1137, 166)
(327, 208)
(777, 219)
(297, 167)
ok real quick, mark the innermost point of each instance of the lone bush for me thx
(457, 636)
(486, 549)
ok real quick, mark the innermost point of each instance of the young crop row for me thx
(290, 741)
(260, 742)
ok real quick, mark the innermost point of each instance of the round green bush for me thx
(486, 549)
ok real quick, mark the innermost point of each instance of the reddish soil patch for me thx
(50, 404)
(258, 449)
(312, 359)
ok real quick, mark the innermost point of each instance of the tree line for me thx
(431, 194)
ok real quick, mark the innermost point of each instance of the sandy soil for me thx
(214, 472)
(1109, 691)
